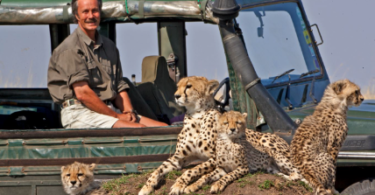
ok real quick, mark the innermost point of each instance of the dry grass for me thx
(369, 92)
(253, 184)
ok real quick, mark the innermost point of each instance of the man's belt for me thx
(71, 102)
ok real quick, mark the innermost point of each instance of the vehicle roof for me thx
(50, 3)
(59, 11)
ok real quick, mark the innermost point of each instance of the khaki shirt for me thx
(78, 58)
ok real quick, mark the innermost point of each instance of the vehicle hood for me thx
(361, 119)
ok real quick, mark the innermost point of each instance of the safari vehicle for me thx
(276, 75)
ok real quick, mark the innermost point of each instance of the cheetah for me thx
(78, 179)
(197, 138)
(278, 149)
(240, 151)
(233, 154)
(318, 139)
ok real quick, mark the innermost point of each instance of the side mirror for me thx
(221, 94)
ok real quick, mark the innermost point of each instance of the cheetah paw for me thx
(190, 189)
(323, 191)
(146, 189)
(216, 188)
(294, 176)
(284, 176)
(306, 182)
(177, 188)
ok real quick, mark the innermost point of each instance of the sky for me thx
(347, 28)
(348, 50)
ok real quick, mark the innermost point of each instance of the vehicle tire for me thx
(364, 187)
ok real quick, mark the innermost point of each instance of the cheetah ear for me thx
(338, 86)
(244, 115)
(92, 166)
(212, 85)
(62, 169)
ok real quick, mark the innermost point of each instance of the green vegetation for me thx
(245, 180)
(174, 174)
(115, 184)
(206, 187)
(163, 191)
(289, 184)
(257, 173)
(307, 187)
(139, 186)
(266, 185)
(131, 184)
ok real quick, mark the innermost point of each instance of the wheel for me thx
(364, 187)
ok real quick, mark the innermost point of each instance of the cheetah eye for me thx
(239, 122)
(68, 175)
(226, 122)
(80, 174)
(188, 86)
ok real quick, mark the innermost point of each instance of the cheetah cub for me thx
(318, 139)
(78, 179)
(240, 151)
(197, 138)
(232, 149)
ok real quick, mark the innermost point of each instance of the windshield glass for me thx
(277, 42)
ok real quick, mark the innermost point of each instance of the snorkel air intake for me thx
(276, 117)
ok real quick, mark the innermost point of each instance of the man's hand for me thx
(132, 115)
(127, 116)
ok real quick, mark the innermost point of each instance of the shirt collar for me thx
(99, 40)
(86, 39)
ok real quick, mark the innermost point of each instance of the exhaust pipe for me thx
(276, 117)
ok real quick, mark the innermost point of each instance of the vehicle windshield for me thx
(277, 41)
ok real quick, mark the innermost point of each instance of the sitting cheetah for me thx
(198, 136)
(320, 136)
(235, 155)
(78, 179)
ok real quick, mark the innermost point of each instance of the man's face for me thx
(88, 15)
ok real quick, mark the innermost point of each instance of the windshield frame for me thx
(313, 42)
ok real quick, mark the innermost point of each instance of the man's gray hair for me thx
(74, 5)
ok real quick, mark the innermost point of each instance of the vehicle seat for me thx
(158, 89)
(138, 103)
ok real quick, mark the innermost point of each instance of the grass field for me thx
(258, 183)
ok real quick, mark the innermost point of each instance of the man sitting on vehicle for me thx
(85, 76)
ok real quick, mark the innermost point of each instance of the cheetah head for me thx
(192, 89)
(232, 124)
(348, 92)
(77, 177)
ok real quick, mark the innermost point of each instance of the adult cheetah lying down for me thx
(235, 155)
(278, 149)
(320, 136)
(197, 139)
(78, 179)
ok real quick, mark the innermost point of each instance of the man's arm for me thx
(88, 97)
(122, 101)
